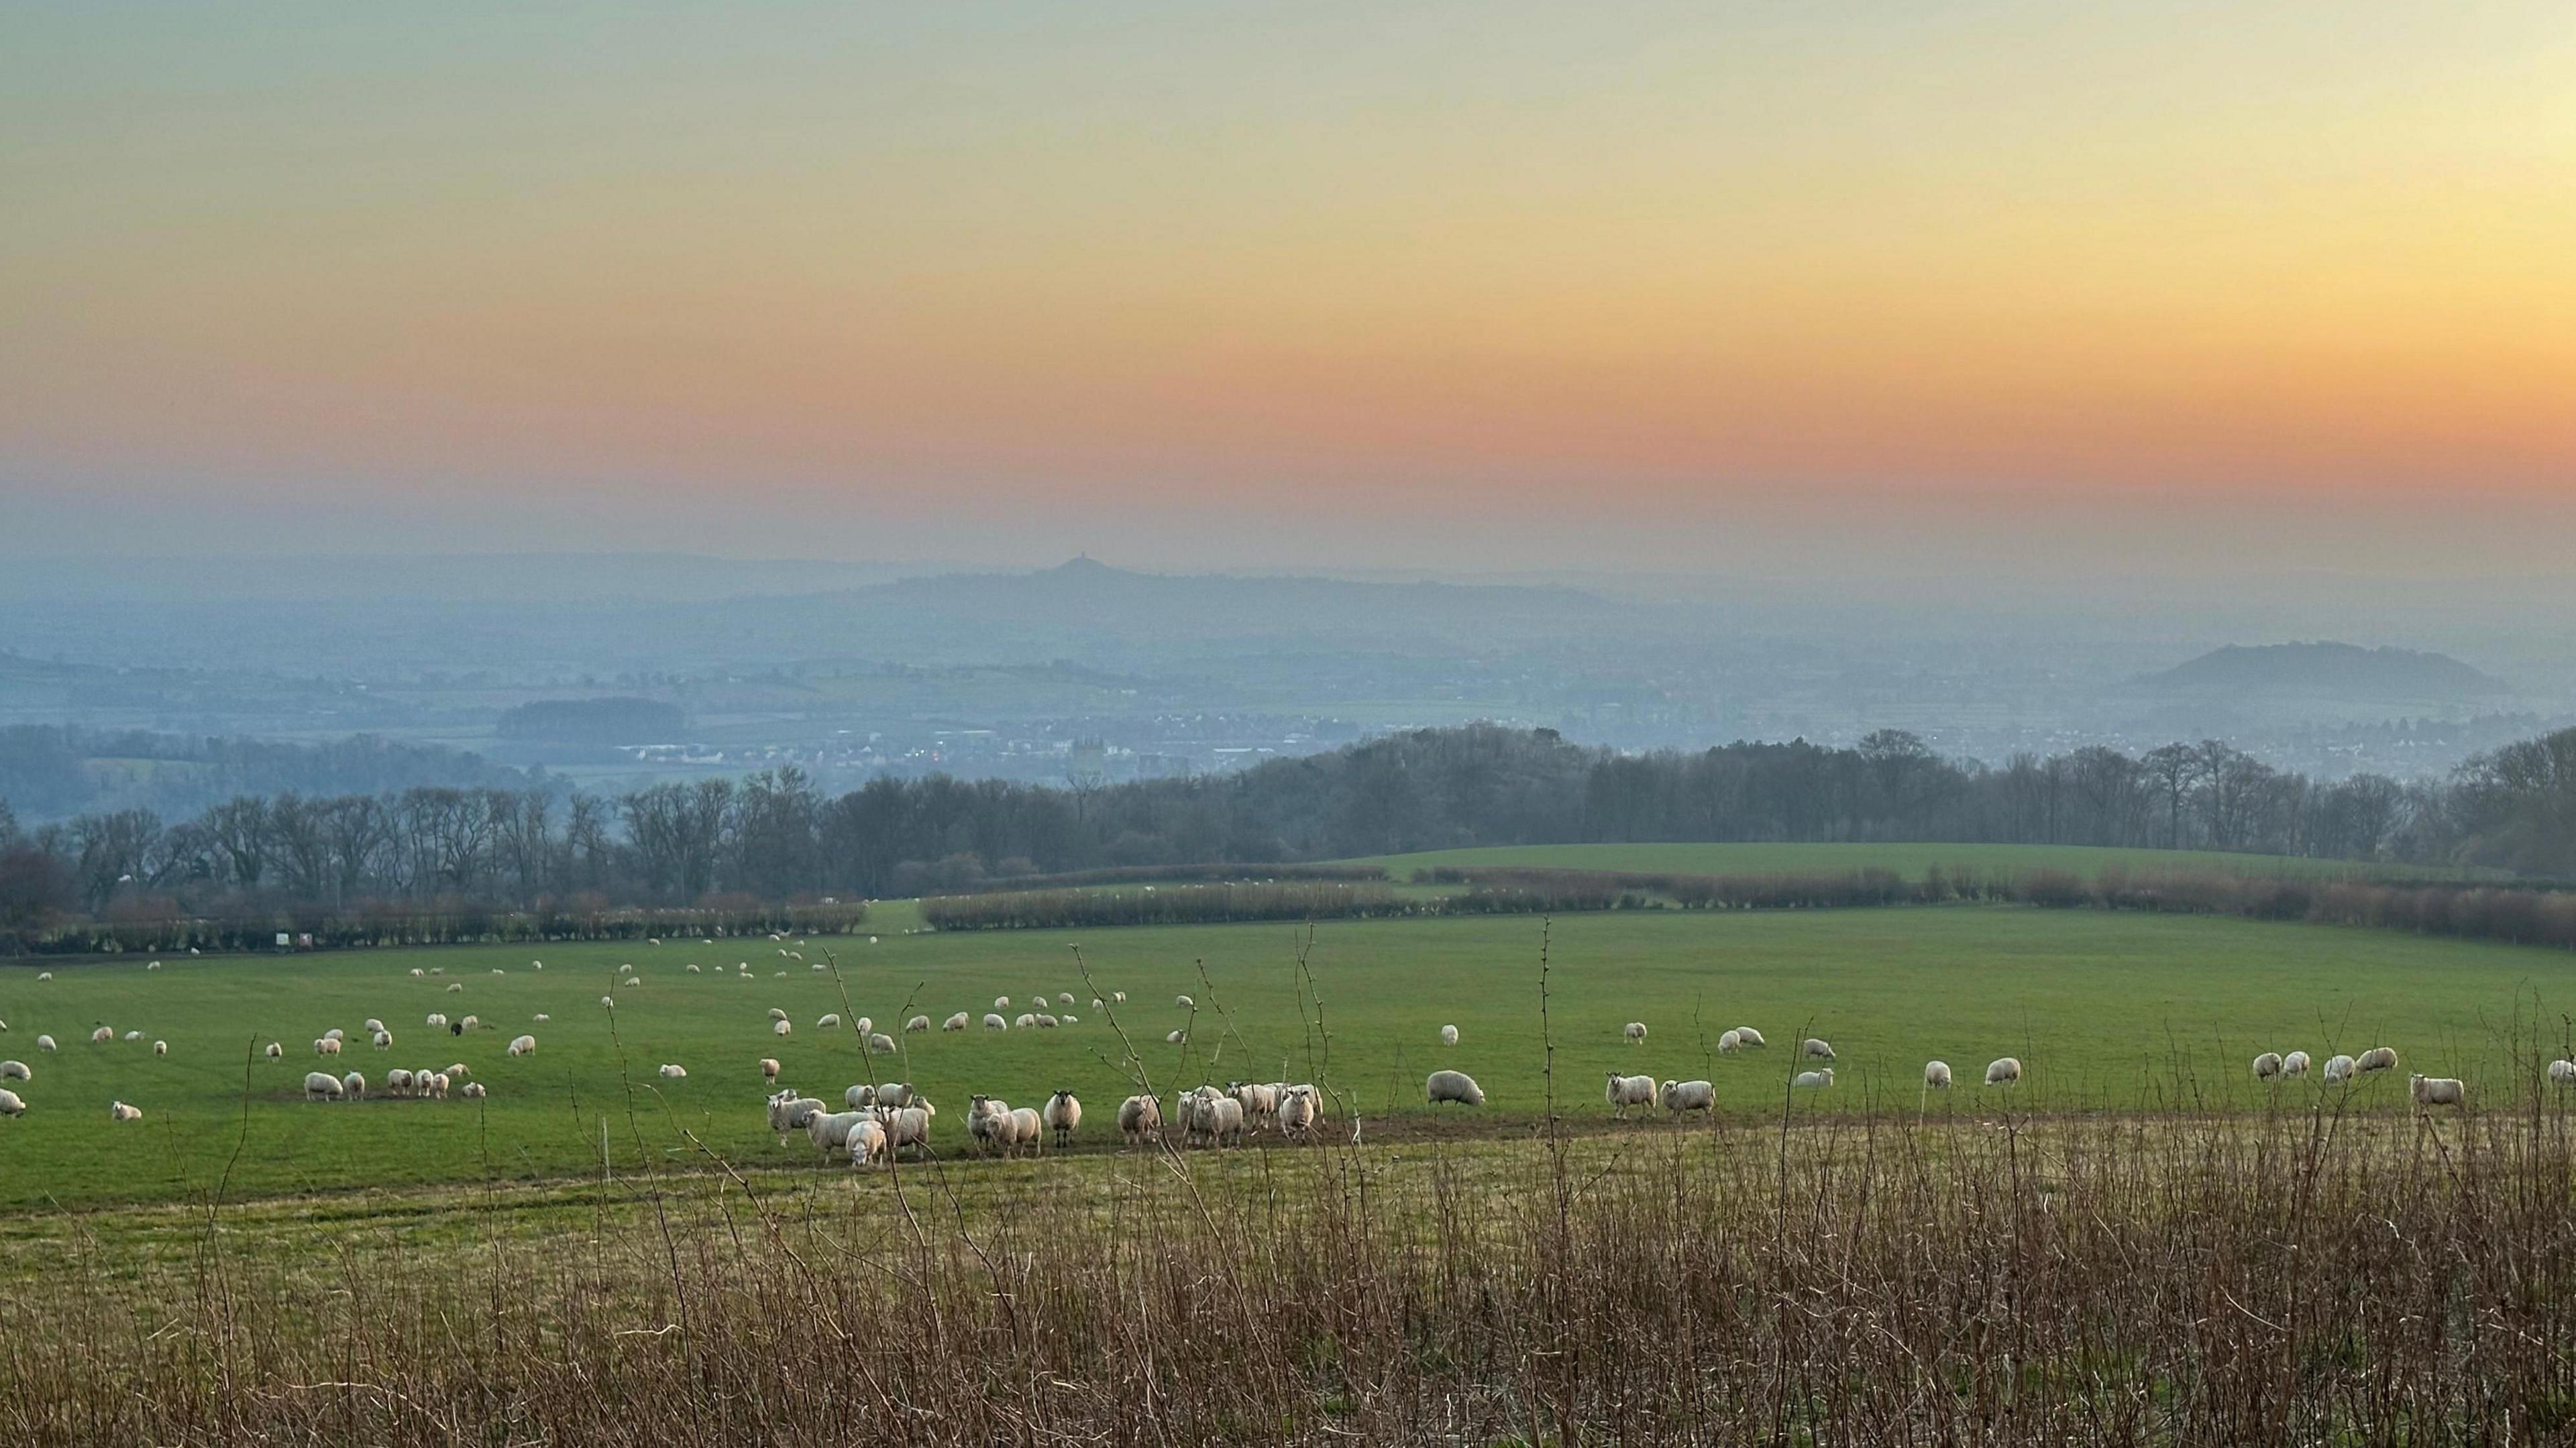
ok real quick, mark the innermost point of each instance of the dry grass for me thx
(2292, 1278)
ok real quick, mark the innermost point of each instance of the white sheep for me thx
(1064, 998)
(897, 1093)
(1729, 1042)
(1814, 1080)
(693, 968)
(1454, 1086)
(1062, 1116)
(15, 1071)
(12, 1104)
(326, 1046)
(2563, 1072)
(119, 1111)
(2267, 1066)
(860, 1097)
(1681, 1096)
(382, 1040)
(1936, 1075)
(457, 1071)
(1139, 1117)
(417, 972)
(769, 1069)
(2295, 1064)
(435, 1020)
(438, 1086)
(864, 1026)
(776, 1015)
(828, 1023)
(2003, 1071)
(866, 1141)
(2338, 1068)
(473, 1091)
(2377, 1058)
(1635, 1031)
(398, 1082)
(781, 1028)
(102, 1035)
(355, 1085)
(2437, 1090)
(1028, 1129)
(134, 1035)
(1046, 1021)
(1119, 996)
(672, 1071)
(994, 1022)
(1001, 1003)
(608, 1003)
(1072, 1020)
(1260, 1100)
(1623, 1092)
(322, 1086)
(1448, 1035)
(1815, 1048)
(917, 1024)
(46, 1043)
(957, 1022)
(1175, 1037)
(475, 1023)
(1750, 1038)
(373, 1025)
(44, 975)
(790, 1112)
(453, 987)
(881, 1043)
(906, 1126)
(160, 1048)
(1185, 1003)
(830, 1130)
(1298, 1108)
(1025, 1020)
(988, 1123)
(523, 1046)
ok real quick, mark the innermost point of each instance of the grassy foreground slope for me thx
(1908, 859)
(2107, 1010)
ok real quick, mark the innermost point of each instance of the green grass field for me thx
(2106, 1009)
(1909, 860)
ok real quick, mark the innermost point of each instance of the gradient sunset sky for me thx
(1316, 285)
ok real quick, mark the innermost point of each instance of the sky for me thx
(2009, 291)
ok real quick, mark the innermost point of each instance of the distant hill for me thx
(2326, 671)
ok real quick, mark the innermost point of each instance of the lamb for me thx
(1816, 1049)
(2377, 1058)
(1138, 1118)
(2338, 1068)
(523, 1046)
(1681, 1096)
(1623, 1092)
(956, 1022)
(2267, 1066)
(1072, 1020)
(2295, 1064)
(674, 1072)
(1635, 1031)
(2003, 1071)
(1936, 1075)
(15, 1071)
(828, 1023)
(919, 1024)
(2437, 1090)
(994, 1022)
(1814, 1080)
(12, 1104)
(1454, 1086)
(1297, 1111)
(2562, 1072)
(881, 1043)
(1730, 1042)
(119, 1111)
(1448, 1035)
(322, 1086)
(355, 1085)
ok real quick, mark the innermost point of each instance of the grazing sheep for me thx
(1729, 1042)
(474, 1023)
(674, 1072)
(458, 1071)
(438, 1086)
(1025, 1020)
(1635, 1031)
(2003, 1071)
(1139, 1117)
(769, 1069)
(775, 1014)
(918, 1024)
(608, 1003)
(322, 1086)
(15, 1071)
(2437, 1090)
(994, 1022)
(789, 1112)
(957, 1022)
(1936, 1075)
(134, 1035)
(1096, 1004)
(2338, 1068)
(523, 1046)
(383, 1040)
(1297, 1110)
(435, 1020)
(102, 1035)
(1623, 1092)
(866, 1141)
(373, 1025)
(906, 1126)
(828, 1023)
(11, 1104)
(398, 1082)
(44, 975)
(2377, 1058)
(417, 972)
(1448, 1035)
(1175, 1037)
(1681, 1096)
(1185, 1003)
(1045, 1021)
(1064, 998)
(2295, 1064)
(781, 1028)
(881, 1043)
(160, 1048)
(45, 1043)
(355, 1085)
(2563, 1072)
(473, 1091)
(2267, 1066)
(1001, 1003)
(1815, 1049)
(693, 968)
(1073, 1020)
(1062, 1116)
(540, 1018)
(156, 965)
(326, 1047)
(1750, 1038)
(1814, 1080)
(455, 986)
(863, 1026)
(1456, 1086)
(1119, 996)
(119, 1111)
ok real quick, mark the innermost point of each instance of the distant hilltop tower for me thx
(1089, 766)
